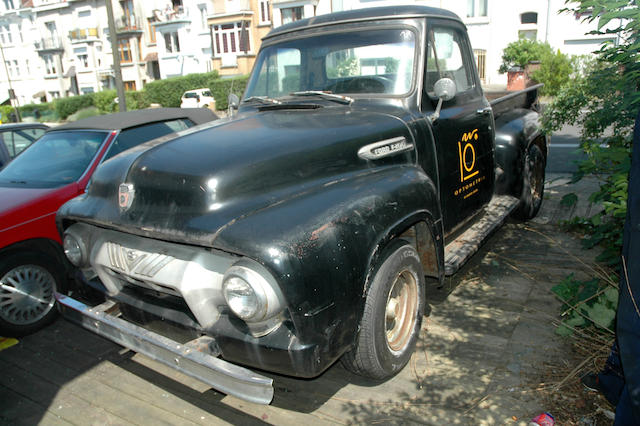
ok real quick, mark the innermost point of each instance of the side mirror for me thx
(233, 102)
(445, 90)
(198, 98)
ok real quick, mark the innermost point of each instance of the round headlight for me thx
(240, 297)
(72, 249)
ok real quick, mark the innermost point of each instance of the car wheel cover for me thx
(26, 294)
(400, 312)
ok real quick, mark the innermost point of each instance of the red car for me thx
(42, 178)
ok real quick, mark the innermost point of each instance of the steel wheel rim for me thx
(400, 312)
(26, 294)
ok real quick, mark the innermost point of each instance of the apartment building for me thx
(493, 24)
(55, 48)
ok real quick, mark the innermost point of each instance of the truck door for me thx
(464, 130)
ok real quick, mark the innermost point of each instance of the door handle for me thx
(483, 111)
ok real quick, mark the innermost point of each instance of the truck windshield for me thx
(363, 62)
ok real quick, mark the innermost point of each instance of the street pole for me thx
(11, 92)
(122, 101)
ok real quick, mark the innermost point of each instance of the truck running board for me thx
(186, 358)
(458, 251)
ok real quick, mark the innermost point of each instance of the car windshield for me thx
(57, 159)
(363, 62)
(206, 93)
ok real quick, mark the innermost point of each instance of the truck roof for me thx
(367, 14)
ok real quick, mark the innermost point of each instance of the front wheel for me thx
(392, 317)
(27, 285)
(532, 185)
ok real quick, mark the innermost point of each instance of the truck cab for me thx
(363, 165)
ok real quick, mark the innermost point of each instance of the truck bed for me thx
(504, 101)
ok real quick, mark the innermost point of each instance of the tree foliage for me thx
(604, 103)
(519, 53)
(555, 67)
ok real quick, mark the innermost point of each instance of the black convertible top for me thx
(367, 14)
(125, 120)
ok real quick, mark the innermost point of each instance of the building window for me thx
(528, 34)
(125, 51)
(13, 67)
(49, 64)
(130, 85)
(476, 8)
(86, 90)
(172, 42)
(5, 34)
(231, 38)
(481, 63)
(291, 14)
(128, 18)
(26, 63)
(529, 18)
(152, 30)
(83, 60)
(265, 13)
(202, 8)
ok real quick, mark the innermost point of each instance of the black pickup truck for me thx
(363, 165)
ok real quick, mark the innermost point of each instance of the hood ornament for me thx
(126, 192)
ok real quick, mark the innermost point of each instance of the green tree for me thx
(555, 67)
(604, 103)
(519, 53)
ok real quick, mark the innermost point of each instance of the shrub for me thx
(136, 100)
(6, 111)
(555, 67)
(84, 113)
(520, 53)
(67, 106)
(555, 70)
(104, 101)
(221, 89)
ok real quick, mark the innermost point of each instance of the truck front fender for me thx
(321, 246)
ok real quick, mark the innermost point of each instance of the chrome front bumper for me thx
(192, 358)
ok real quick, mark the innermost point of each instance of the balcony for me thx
(171, 16)
(83, 34)
(129, 24)
(49, 44)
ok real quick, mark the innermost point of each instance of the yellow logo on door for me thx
(467, 155)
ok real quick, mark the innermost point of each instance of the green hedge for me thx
(67, 106)
(222, 87)
(164, 92)
(168, 92)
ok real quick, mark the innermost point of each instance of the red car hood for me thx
(19, 205)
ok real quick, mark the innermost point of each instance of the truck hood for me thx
(189, 186)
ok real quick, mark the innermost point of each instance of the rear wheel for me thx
(27, 285)
(533, 184)
(392, 316)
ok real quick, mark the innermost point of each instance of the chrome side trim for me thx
(215, 372)
(385, 148)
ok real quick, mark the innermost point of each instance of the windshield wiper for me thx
(325, 95)
(262, 99)
(22, 182)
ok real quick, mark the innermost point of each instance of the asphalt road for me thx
(563, 150)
